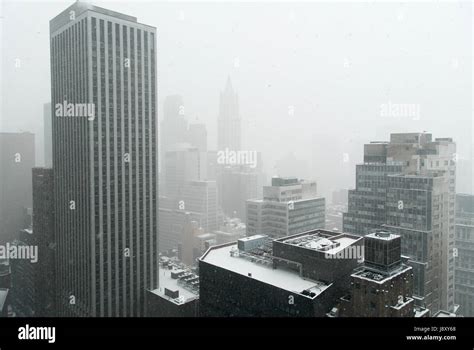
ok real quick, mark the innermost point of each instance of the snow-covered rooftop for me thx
(384, 235)
(281, 278)
(318, 242)
(167, 282)
(252, 238)
(344, 242)
(380, 278)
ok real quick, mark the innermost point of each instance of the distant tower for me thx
(173, 126)
(228, 122)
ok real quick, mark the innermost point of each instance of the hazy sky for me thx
(311, 77)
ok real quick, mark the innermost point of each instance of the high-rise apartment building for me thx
(408, 185)
(103, 78)
(289, 206)
(464, 257)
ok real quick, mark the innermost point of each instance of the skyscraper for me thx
(17, 158)
(289, 206)
(464, 272)
(417, 210)
(197, 136)
(228, 121)
(43, 231)
(200, 197)
(173, 126)
(366, 203)
(47, 136)
(408, 185)
(182, 164)
(236, 186)
(103, 78)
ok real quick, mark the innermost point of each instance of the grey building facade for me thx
(45, 239)
(103, 70)
(383, 286)
(464, 257)
(289, 206)
(411, 190)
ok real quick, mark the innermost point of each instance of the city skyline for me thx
(316, 184)
(388, 101)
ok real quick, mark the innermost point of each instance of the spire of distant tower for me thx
(228, 85)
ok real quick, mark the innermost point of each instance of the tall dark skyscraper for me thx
(48, 139)
(103, 78)
(228, 122)
(43, 231)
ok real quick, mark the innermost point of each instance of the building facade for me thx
(258, 277)
(464, 257)
(43, 231)
(383, 286)
(289, 206)
(408, 184)
(47, 135)
(103, 78)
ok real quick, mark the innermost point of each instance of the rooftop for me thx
(229, 258)
(322, 240)
(443, 313)
(80, 7)
(383, 235)
(187, 290)
(379, 277)
(252, 238)
(421, 312)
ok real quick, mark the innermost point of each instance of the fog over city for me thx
(168, 159)
(313, 79)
